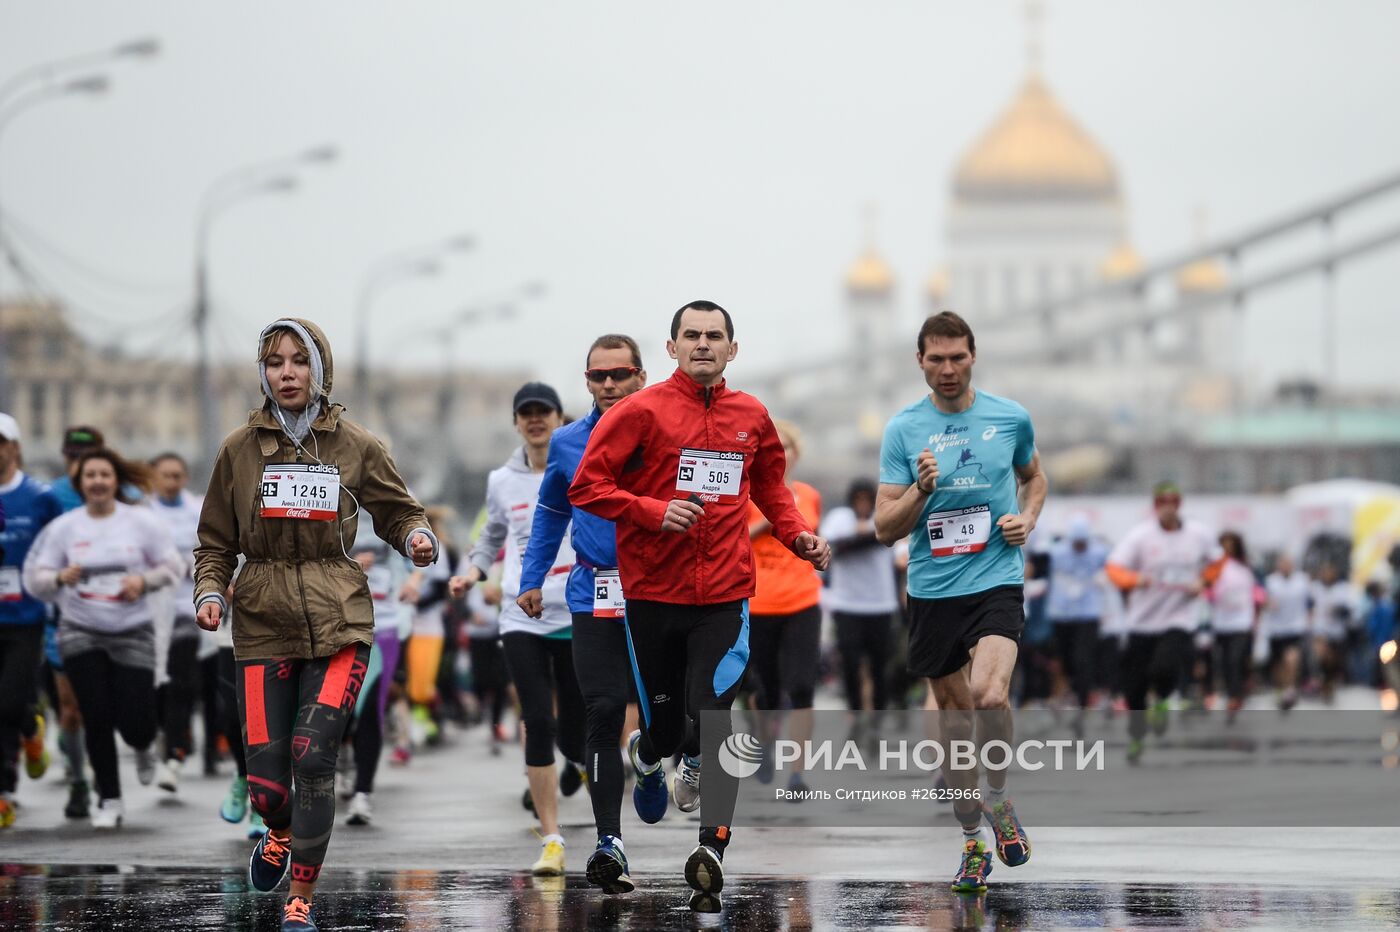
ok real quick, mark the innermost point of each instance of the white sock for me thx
(555, 838)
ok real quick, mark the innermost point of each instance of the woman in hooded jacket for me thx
(285, 493)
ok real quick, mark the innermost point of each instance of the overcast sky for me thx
(635, 155)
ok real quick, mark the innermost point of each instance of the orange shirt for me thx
(786, 584)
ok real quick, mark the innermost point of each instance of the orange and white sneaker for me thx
(296, 915)
(36, 755)
(1013, 847)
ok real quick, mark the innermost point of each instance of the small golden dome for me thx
(1123, 262)
(936, 287)
(869, 274)
(1036, 146)
(1204, 276)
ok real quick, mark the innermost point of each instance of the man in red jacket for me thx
(675, 465)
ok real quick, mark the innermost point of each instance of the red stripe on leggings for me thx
(337, 677)
(253, 701)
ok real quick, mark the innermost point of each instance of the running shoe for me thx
(765, 766)
(649, 794)
(551, 862)
(145, 766)
(36, 756)
(270, 861)
(79, 802)
(296, 915)
(704, 870)
(257, 828)
(7, 813)
(168, 774)
(108, 814)
(701, 902)
(607, 867)
(528, 801)
(1134, 750)
(401, 756)
(235, 805)
(571, 777)
(361, 810)
(1013, 847)
(685, 789)
(1288, 700)
(1157, 716)
(976, 865)
(498, 734)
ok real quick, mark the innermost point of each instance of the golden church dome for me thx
(1035, 146)
(936, 287)
(1204, 276)
(869, 274)
(1122, 263)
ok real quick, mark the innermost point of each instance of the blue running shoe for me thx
(257, 828)
(976, 865)
(235, 804)
(1013, 847)
(296, 915)
(270, 862)
(649, 793)
(607, 867)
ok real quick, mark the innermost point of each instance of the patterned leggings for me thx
(295, 713)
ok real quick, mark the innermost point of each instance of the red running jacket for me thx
(673, 440)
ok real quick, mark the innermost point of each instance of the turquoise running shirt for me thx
(956, 548)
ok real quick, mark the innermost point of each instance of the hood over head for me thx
(322, 363)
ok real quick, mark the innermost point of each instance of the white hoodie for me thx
(511, 494)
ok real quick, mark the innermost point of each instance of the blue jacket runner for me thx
(594, 538)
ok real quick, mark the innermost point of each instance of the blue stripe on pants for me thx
(642, 698)
(735, 661)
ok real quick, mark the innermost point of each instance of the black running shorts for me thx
(943, 631)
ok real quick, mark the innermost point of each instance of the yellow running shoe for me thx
(7, 812)
(551, 862)
(36, 755)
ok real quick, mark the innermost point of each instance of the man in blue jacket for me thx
(26, 507)
(614, 371)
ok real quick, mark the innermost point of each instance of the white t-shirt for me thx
(1232, 611)
(129, 542)
(1334, 609)
(862, 580)
(1173, 561)
(1286, 614)
(182, 521)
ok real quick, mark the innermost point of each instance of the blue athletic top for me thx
(68, 497)
(594, 538)
(956, 548)
(28, 509)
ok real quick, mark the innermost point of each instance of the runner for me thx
(785, 628)
(952, 467)
(98, 564)
(675, 465)
(539, 652)
(286, 490)
(1334, 602)
(862, 595)
(1236, 597)
(1285, 622)
(1075, 604)
(190, 660)
(27, 506)
(1162, 565)
(613, 371)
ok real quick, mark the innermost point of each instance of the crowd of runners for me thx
(650, 561)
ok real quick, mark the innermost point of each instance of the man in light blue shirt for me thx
(961, 478)
(1076, 603)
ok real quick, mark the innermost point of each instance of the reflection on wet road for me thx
(87, 899)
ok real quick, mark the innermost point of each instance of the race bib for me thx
(10, 590)
(710, 474)
(102, 586)
(963, 530)
(298, 490)
(608, 601)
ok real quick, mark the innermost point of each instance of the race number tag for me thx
(9, 584)
(298, 490)
(963, 530)
(710, 474)
(608, 601)
(103, 585)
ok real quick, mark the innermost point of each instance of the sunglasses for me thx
(617, 375)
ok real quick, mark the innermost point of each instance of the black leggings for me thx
(295, 713)
(488, 675)
(230, 719)
(1077, 642)
(783, 654)
(21, 648)
(180, 694)
(600, 660)
(864, 637)
(368, 738)
(1152, 662)
(112, 698)
(543, 670)
(688, 660)
(1235, 651)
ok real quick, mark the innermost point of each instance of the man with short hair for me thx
(26, 508)
(613, 370)
(675, 466)
(960, 477)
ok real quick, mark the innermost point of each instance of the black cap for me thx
(78, 439)
(537, 393)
